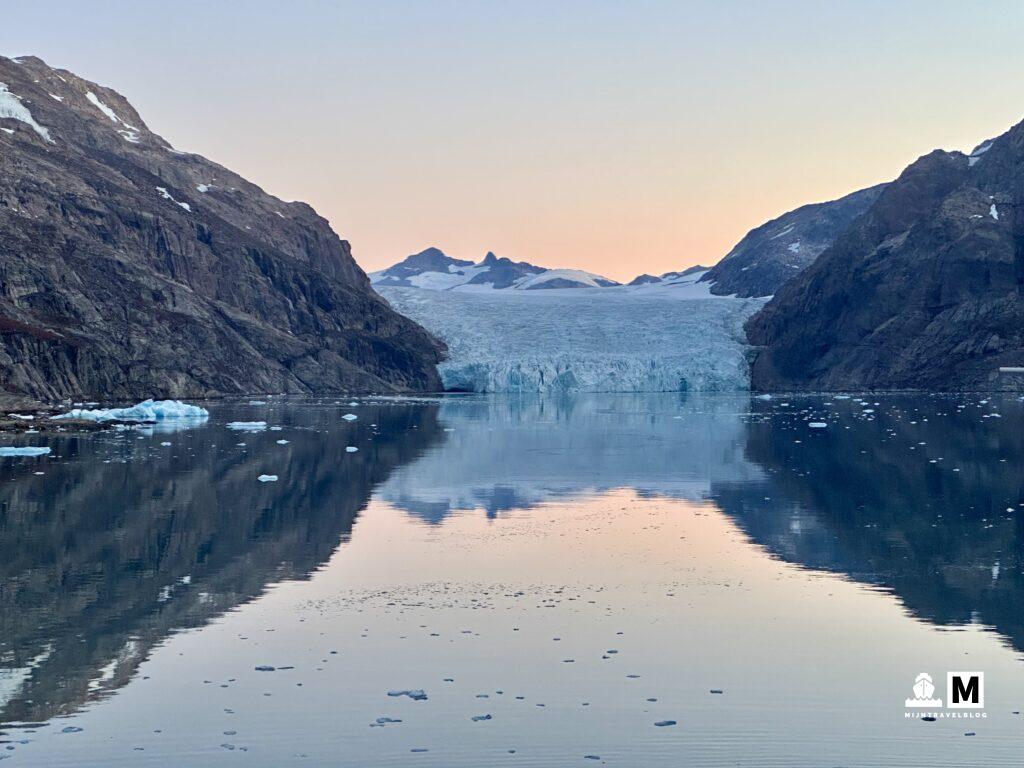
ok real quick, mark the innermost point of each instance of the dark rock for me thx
(644, 279)
(925, 291)
(772, 254)
(129, 269)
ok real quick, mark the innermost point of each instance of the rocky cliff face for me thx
(925, 291)
(130, 269)
(767, 257)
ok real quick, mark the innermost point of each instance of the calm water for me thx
(577, 570)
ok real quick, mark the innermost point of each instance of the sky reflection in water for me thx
(494, 552)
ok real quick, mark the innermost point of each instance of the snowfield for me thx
(656, 338)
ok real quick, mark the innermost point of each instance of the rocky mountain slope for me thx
(434, 270)
(130, 269)
(770, 255)
(926, 290)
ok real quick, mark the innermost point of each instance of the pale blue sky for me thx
(614, 136)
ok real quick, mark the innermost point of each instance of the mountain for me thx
(434, 270)
(130, 269)
(686, 276)
(924, 291)
(770, 255)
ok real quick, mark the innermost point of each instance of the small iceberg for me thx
(148, 411)
(350, 417)
(267, 478)
(248, 426)
(350, 449)
(817, 424)
(25, 451)
(416, 694)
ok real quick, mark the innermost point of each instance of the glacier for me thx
(657, 338)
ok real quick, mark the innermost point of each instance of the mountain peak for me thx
(231, 289)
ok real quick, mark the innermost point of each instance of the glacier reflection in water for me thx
(578, 569)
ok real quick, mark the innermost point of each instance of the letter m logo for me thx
(965, 690)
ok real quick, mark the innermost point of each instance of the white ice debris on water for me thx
(350, 417)
(794, 247)
(11, 107)
(350, 449)
(204, 188)
(620, 339)
(25, 451)
(248, 426)
(167, 196)
(993, 212)
(148, 411)
(267, 478)
(817, 424)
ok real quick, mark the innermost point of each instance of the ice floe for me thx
(148, 411)
(24, 451)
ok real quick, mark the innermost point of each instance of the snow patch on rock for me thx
(11, 107)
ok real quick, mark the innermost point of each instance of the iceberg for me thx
(24, 451)
(148, 411)
(618, 339)
(248, 426)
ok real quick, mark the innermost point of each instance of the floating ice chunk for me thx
(267, 478)
(146, 411)
(22, 416)
(204, 188)
(11, 107)
(993, 212)
(350, 417)
(257, 402)
(248, 426)
(817, 424)
(24, 451)
(350, 449)
(282, 442)
(416, 694)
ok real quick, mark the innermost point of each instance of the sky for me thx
(616, 137)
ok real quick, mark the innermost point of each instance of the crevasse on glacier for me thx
(588, 340)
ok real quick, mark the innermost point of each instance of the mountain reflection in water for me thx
(123, 541)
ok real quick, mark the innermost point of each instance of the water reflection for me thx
(513, 453)
(130, 537)
(909, 493)
(126, 538)
(922, 496)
